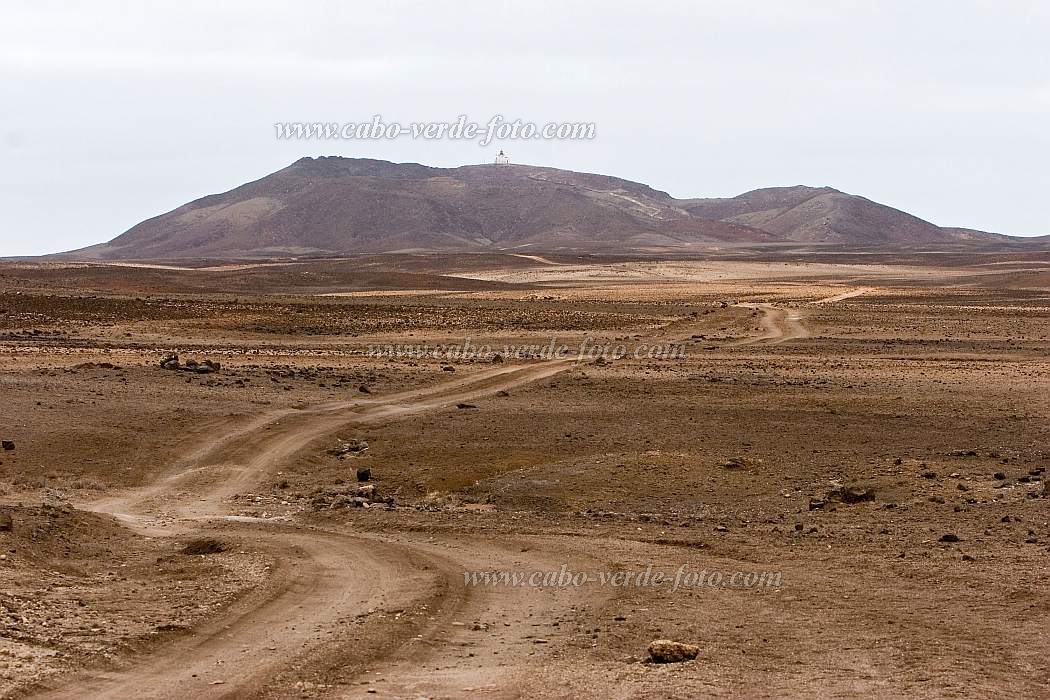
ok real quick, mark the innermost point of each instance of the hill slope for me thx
(826, 215)
(334, 205)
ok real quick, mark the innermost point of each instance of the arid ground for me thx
(869, 434)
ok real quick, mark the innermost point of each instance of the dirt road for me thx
(328, 585)
(325, 579)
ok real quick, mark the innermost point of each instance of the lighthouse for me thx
(502, 158)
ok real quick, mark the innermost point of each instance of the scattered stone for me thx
(949, 537)
(8, 445)
(736, 463)
(851, 494)
(204, 546)
(665, 651)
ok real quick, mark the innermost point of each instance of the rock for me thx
(203, 546)
(503, 393)
(963, 453)
(448, 368)
(8, 445)
(170, 362)
(497, 359)
(364, 389)
(465, 405)
(368, 491)
(665, 651)
(999, 476)
(600, 361)
(364, 474)
(851, 494)
(929, 475)
(736, 463)
(949, 537)
(6, 524)
(816, 504)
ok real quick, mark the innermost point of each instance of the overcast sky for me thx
(114, 112)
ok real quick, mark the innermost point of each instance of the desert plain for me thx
(284, 511)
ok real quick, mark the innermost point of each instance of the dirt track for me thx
(333, 577)
(330, 578)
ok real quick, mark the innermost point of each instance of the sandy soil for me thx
(876, 438)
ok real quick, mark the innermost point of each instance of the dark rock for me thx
(364, 474)
(6, 524)
(8, 445)
(204, 546)
(816, 504)
(497, 359)
(929, 475)
(851, 494)
(465, 405)
(949, 537)
(999, 476)
(364, 389)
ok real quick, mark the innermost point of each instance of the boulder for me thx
(665, 651)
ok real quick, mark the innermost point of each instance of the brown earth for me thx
(870, 436)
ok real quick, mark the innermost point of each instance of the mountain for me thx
(333, 206)
(825, 215)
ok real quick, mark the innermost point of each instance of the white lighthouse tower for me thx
(502, 158)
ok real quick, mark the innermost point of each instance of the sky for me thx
(113, 112)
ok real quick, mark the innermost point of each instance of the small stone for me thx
(949, 537)
(665, 651)
(999, 476)
(364, 474)
(6, 524)
(8, 445)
